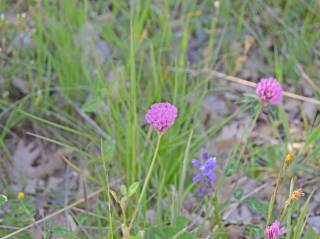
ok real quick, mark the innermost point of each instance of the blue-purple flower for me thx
(206, 177)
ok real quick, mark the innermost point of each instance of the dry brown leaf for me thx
(24, 157)
(214, 108)
(239, 62)
(55, 163)
(36, 232)
(248, 42)
(21, 85)
(65, 221)
(241, 214)
(309, 109)
(28, 162)
(96, 50)
(235, 232)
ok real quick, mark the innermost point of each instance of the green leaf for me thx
(176, 230)
(156, 233)
(132, 189)
(3, 199)
(123, 202)
(256, 206)
(250, 100)
(108, 147)
(231, 167)
(140, 235)
(238, 193)
(92, 105)
(123, 190)
(180, 222)
(114, 195)
(302, 219)
(255, 230)
(64, 233)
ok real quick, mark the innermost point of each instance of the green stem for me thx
(283, 213)
(27, 211)
(273, 198)
(216, 210)
(253, 124)
(145, 184)
(184, 170)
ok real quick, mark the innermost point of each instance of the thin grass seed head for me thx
(296, 194)
(161, 116)
(269, 91)
(274, 231)
(206, 176)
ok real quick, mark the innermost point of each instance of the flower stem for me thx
(145, 184)
(273, 198)
(216, 211)
(283, 212)
(253, 124)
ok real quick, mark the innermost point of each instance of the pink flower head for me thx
(274, 231)
(161, 116)
(269, 90)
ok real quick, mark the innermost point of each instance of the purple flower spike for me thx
(274, 231)
(206, 176)
(161, 116)
(269, 90)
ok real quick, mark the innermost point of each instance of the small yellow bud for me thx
(289, 158)
(143, 35)
(21, 196)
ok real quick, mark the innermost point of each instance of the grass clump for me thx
(81, 75)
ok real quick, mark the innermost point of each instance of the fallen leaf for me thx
(95, 49)
(36, 232)
(25, 155)
(248, 42)
(55, 163)
(309, 109)
(63, 220)
(28, 163)
(235, 232)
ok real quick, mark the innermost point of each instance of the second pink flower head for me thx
(161, 116)
(274, 231)
(269, 90)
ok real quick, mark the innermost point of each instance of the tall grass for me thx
(148, 39)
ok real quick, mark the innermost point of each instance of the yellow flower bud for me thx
(21, 196)
(289, 158)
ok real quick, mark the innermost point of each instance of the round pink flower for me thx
(161, 116)
(274, 231)
(269, 90)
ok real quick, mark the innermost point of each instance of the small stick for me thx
(244, 82)
(306, 77)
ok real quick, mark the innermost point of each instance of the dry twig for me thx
(243, 82)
